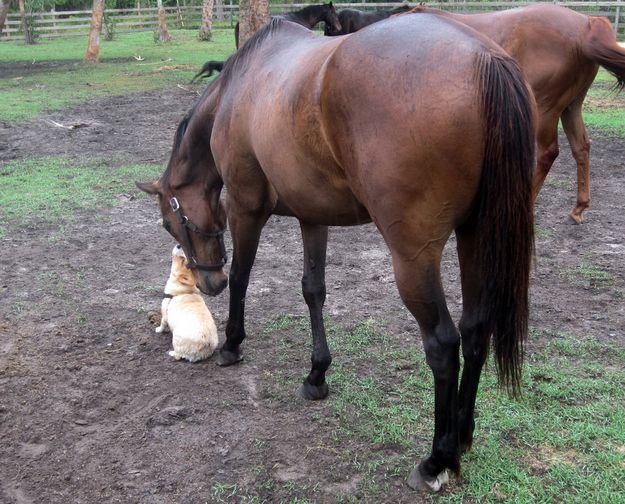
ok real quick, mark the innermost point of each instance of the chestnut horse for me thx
(291, 127)
(559, 52)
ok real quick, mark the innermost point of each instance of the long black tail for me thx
(505, 213)
(207, 70)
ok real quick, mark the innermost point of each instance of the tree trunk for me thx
(93, 46)
(4, 10)
(164, 35)
(206, 26)
(219, 10)
(27, 38)
(253, 14)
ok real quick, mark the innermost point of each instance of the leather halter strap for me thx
(189, 227)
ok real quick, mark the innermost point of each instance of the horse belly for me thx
(294, 156)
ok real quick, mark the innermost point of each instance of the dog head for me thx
(180, 274)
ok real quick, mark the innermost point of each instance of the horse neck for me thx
(308, 16)
(191, 161)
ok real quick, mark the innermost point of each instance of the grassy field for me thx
(131, 62)
(563, 441)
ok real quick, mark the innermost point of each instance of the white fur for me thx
(194, 333)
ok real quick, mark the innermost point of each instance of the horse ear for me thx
(149, 187)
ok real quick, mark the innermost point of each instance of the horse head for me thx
(192, 212)
(331, 19)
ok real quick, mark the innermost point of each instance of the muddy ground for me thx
(93, 410)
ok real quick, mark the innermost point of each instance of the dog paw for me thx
(171, 353)
(158, 330)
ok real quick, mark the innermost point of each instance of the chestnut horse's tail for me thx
(600, 46)
(505, 215)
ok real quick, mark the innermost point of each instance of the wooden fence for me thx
(66, 23)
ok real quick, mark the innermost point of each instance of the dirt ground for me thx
(93, 410)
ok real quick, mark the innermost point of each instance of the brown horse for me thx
(559, 51)
(310, 16)
(292, 127)
(352, 20)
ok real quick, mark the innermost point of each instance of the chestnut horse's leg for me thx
(315, 240)
(245, 232)
(473, 331)
(419, 284)
(573, 125)
(547, 149)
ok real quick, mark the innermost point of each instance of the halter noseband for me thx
(187, 227)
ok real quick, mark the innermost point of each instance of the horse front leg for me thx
(245, 232)
(315, 240)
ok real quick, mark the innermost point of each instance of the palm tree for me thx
(4, 10)
(206, 26)
(253, 14)
(164, 35)
(93, 45)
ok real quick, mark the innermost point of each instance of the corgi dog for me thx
(183, 311)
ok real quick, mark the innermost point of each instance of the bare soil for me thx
(92, 409)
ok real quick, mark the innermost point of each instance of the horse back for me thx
(547, 41)
(417, 120)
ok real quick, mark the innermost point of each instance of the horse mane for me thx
(240, 57)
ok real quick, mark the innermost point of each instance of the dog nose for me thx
(178, 246)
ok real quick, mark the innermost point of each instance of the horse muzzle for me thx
(212, 283)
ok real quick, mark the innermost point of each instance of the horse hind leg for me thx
(419, 283)
(547, 151)
(315, 240)
(474, 333)
(573, 125)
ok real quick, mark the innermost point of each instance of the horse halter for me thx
(187, 228)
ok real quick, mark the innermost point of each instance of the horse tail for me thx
(504, 210)
(600, 46)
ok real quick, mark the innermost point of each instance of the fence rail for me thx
(66, 23)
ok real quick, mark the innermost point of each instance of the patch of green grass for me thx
(590, 274)
(131, 62)
(53, 190)
(562, 441)
(604, 108)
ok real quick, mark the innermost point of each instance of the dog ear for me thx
(187, 278)
(149, 187)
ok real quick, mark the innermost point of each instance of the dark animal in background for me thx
(207, 70)
(353, 20)
(559, 51)
(308, 17)
(449, 150)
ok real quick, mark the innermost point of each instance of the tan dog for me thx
(194, 334)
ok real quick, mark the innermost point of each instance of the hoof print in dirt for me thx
(154, 318)
(169, 416)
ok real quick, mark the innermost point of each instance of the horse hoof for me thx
(312, 392)
(576, 217)
(228, 358)
(418, 481)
